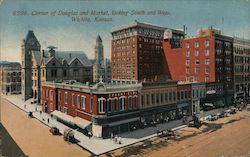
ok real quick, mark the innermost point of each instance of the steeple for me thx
(98, 38)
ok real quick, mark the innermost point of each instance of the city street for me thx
(33, 137)
(226, 137)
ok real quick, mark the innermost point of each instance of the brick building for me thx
(205, 58)
(136, 51)
(108, 107)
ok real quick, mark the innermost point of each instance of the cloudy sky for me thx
(232, 16)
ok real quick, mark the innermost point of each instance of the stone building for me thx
(40, 66)
(98, 66)
(10, 78)
(241, 68)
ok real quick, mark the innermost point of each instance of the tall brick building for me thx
(137, 51)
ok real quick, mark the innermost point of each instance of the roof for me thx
(31, 37)
(143, 24)
(69, 56)
(98, 39)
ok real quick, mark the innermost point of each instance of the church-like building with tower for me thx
(39, 66)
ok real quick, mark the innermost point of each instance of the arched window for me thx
(101, 105)
(109, 103)
(135, 101)
(115, 104)
(122, 103)
(130, 102)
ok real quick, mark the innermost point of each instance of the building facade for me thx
(136, 51)
(109, 108)
(158, 101)
(30, 43)
(10, 78)
(205, 58)
(41, 66)
(241, 69)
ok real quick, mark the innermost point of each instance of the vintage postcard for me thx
(120, 78)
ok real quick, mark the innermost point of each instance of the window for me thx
(73, 99)
(188, 53)
(135, 102)
(115, 104)
(187, 45)
(206, 43)
(196, 70)
(207, 52)
(207, 79)
(109, 105)
(65, 110)
(147, 99)
(65, 97)
(83, 102)
(187, 70)
(122, 103)
(78, 101)
(91, 105)
(142, 100)
(51, 107)
(51, 95)
(64, 73)
(207, 70)
(101, 104)
(197, 52)
(197, 61)
(130, 102)
(196, 44)
(196, 78)
(187, 62)
(59, 96)
(152, 98)
(207, 61)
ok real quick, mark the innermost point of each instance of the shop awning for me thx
(82, 123)
(63, 116)
(124, 121)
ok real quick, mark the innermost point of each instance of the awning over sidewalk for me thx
(124, 121)
(82, 123)
(63, 116)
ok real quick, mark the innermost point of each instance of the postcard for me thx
(153, 78)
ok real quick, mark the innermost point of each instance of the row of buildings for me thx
(158, 74)
(155, 74)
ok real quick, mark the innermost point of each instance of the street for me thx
(226, 137)
(33, 137)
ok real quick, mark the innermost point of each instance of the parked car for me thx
(232, 111)
(54, 131)
(221, 115)
(68, 135)
(214, 117)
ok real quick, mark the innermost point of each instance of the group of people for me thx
(116, 139)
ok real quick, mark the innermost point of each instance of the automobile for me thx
(215, 117)
(227, 112)
(54, 131)
(232, 111)
(68, 135)
(248, 108)
(221, 114)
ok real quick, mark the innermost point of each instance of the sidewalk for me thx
(95, 145)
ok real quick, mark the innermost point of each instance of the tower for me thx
(98, 67)
(30, 43)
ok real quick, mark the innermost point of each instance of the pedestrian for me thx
(89, 134)
(120, 140)
(36, 109)
(115, 138)
(40, 112)
(25, 106)
(48, 120)
(112, 136)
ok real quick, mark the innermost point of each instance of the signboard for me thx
(168, 34)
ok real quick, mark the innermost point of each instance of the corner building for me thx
(137, 52)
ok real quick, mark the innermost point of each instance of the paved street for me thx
(225, 137)
(34, 137)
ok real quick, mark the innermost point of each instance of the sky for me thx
(231, 16)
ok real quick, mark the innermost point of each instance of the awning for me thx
(82, 123)
(63, 116)
(124, 121)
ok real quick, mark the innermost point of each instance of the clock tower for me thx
(29, 44)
